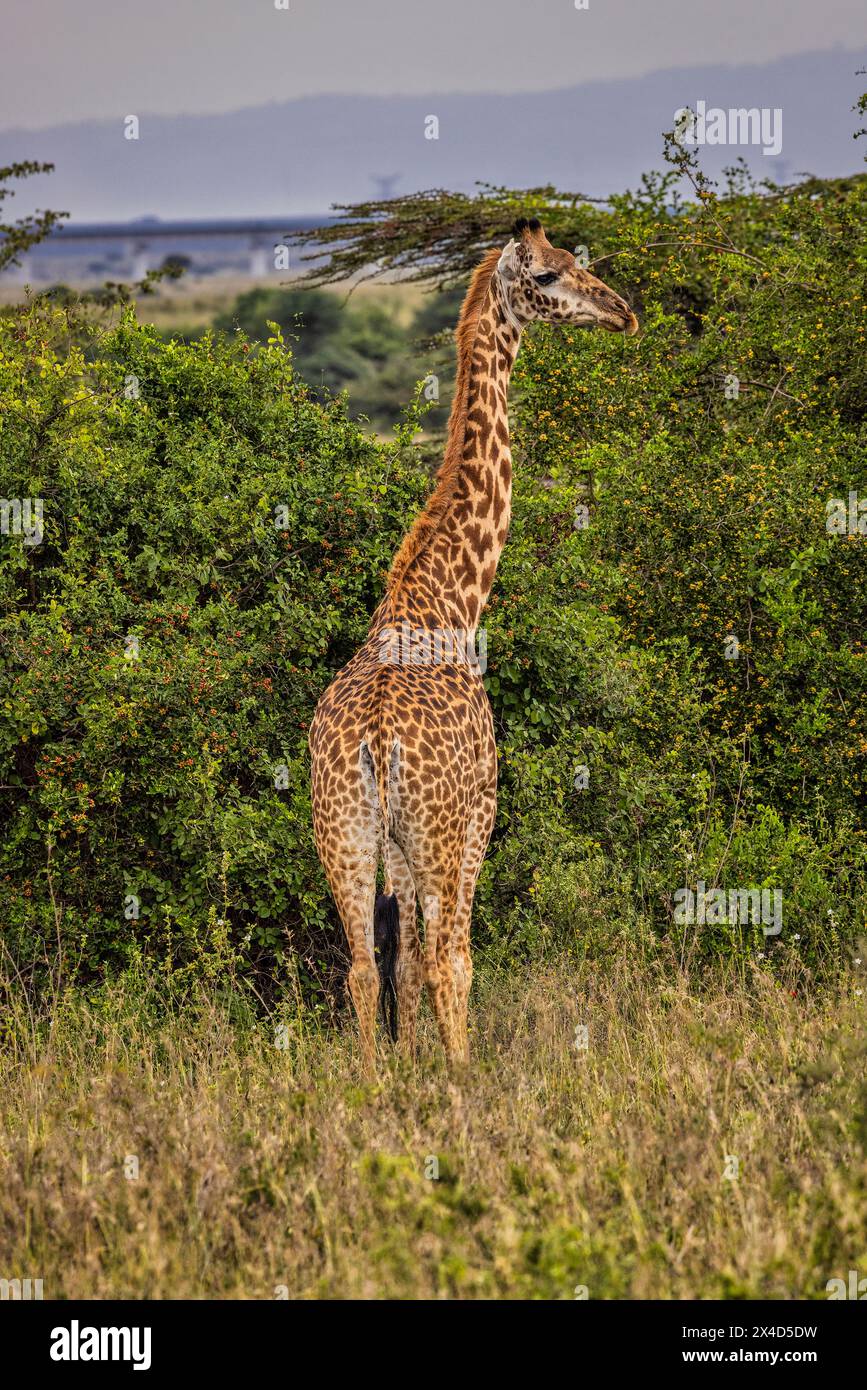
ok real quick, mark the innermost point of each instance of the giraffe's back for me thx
(430, 725)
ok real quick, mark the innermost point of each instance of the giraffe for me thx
(403, 757)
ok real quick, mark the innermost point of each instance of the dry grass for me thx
(262, 1167)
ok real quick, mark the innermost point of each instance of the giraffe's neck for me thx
(447, 582)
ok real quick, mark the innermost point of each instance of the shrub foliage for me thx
(671, 613)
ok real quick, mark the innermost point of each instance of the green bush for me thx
(704, 521)
(355, 346)
(162, 468)
(215, 539)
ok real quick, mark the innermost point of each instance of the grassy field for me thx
(549, 1170)
(191, 304)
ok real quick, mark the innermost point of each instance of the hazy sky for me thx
(67, 60)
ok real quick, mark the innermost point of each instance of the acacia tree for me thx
(436, 235)
(439, 236)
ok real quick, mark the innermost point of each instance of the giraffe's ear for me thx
(510, 261)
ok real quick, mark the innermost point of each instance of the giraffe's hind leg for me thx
(437, 885)
(478, 834)
(353, 884)
(347, 827)
(410, 961)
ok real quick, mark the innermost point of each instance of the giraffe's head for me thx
(542, 282)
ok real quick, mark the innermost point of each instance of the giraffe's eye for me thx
(547, 278)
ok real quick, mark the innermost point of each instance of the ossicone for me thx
(524, 224)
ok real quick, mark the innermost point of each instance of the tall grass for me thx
(267, 1171)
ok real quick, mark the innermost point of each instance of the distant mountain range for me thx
(303, 155)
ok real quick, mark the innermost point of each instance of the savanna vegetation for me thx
(706, 1144)
(676, 663)
(360, 345)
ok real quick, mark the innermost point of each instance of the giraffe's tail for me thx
(386, 936)
(386, 915)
